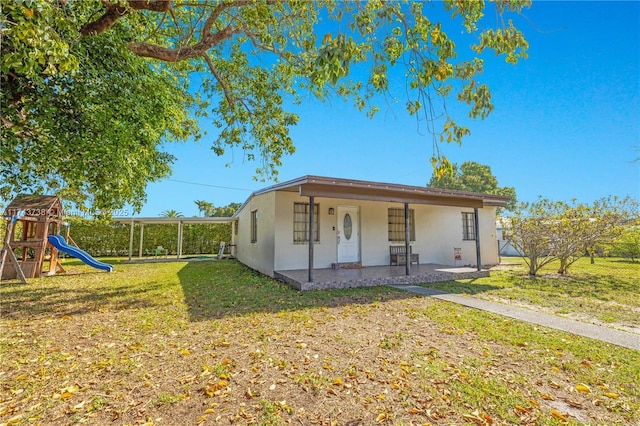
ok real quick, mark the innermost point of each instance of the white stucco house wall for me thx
(356, 222)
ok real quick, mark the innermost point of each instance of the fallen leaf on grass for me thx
(250, 394)
(15, 419)
(583, 388)
(68, 392)
(573, 403)
(522, 410)
(80, 405)
(479, 418)
(215, 388)
(611, 395)
(558, 415)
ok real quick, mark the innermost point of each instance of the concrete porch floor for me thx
(375, 275)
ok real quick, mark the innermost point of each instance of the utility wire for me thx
(209, 185)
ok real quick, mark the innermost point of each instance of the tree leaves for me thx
(545, 230)
(91, 133)
(582, 388)
(79, 120)
(473, 177)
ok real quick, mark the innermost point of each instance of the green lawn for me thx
(607, 291)
(213, 342)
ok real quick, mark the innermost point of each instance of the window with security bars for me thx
(396, 225)
(301, 223)
(468, 226)
(254, 226)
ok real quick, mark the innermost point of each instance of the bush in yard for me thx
(546, 230)
(106, 238)
(628, 244)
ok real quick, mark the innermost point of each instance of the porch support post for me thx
(131, 240)
(407, 240)
(311, 237)
(477, 229)
(179, 249)
(141, 240)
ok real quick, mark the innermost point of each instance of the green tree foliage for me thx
(627, 245)
(204, 207)
(210, 210)
(579, 228)
(530, 231)
(225, 211)
(546, 230)
(473, 177)
(106, 81)
(106, 238)
(77, 115)
(171, 213)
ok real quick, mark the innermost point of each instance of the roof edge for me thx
(488, 199)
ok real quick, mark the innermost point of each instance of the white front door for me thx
(348, 234)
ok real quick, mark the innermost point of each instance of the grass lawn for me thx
(606, 292)
(215, 343)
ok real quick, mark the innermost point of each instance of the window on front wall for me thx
(254, 226)
(396, 225)
(301, 223)
(468, 226)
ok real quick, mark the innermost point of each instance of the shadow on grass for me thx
(27, 301)
(54, 301)
(227, 288)
(79, 291)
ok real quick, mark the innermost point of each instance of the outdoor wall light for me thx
(331, 211)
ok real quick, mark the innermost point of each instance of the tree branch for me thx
(103, 23)
(223, 83)
(181, 53)
(114, 13)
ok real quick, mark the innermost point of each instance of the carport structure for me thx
(180, 221)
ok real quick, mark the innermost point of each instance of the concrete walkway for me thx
(605, 334)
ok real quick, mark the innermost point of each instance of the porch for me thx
(375, 275)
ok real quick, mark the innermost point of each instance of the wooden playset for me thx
(26, 249)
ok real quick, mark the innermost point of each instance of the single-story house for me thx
(355, 223)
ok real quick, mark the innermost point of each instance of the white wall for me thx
(258, 255)
(296, 256)
(438, 231)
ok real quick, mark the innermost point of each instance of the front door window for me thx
(347, 226)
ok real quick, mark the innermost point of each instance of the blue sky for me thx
(566, 123)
